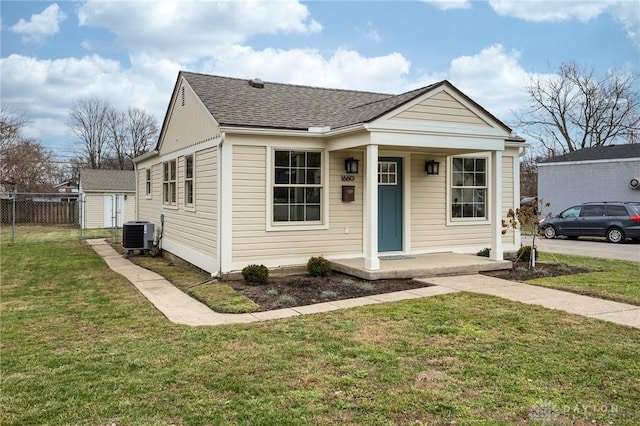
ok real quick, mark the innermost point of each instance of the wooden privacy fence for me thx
(42, 209)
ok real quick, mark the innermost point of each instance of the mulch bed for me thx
(299, 290)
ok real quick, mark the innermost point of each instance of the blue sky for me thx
(129, 53)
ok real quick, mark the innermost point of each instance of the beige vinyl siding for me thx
(252, 242)
(507, 193)
(149, 209)
(195, 227)
(188, 125)
(441, 107)
(429, 230)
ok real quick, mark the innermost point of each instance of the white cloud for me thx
(345, 68)
(493, 78)
(628, 14)
(540, 11)
(193, 29)
(450, 4)
(372, 33)
(46, 89)
(40, 25)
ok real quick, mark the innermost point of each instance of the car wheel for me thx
(615, 235)
(550, 232)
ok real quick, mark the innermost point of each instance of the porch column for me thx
(370, 231)
(495, 210)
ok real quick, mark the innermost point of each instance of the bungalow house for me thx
(107, 198)
(247, 171)
(602, 173)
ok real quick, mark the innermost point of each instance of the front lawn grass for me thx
(610, 279)
(80, 345)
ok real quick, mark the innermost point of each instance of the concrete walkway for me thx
(619, 313)
(183, 309)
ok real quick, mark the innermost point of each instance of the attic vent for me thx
(182, 95)
(257, 83)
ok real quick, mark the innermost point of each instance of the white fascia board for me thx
(211, 143)
(437, 141)
(430, 127)
(146, 156)
(316, 132)
(271, 132)
(573, 163)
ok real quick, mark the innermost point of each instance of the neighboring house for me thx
(602, 173)
(255, 172)
(108, 198)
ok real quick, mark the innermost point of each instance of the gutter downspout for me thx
(221, 215)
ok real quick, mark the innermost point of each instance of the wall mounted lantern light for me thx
(432, 167)
(351, 165)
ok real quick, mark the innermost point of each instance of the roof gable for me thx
(234, 102)
(108, 180)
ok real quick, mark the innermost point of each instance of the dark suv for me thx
(614, 220)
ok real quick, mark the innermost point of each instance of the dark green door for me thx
(389, 204)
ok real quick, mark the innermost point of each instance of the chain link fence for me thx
(38, 217)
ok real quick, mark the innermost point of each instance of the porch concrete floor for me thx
(422, 265)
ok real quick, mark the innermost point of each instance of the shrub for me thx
(328, 294)
(367, 288)
(524, 254)
(319, 267)
(272, 292)
(287, 301)
(347, 281)
(255, 274)
(484, 252)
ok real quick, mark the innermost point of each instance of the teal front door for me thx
(389, 204)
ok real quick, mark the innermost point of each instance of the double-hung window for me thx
(148, 182)
(188, 180)
(297, 186)
(169, 183)
(469, 188)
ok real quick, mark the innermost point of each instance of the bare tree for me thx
(142, 131)
(12, 123)
(110, 138)
(117, 138)
(88, 123)
(27, 166)
(574, 109)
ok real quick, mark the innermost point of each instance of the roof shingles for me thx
(234, 102)
(108, 180)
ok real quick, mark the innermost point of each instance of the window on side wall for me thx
(468, 188)
(188, 181)
(169, 183)
(297, 187)
(148, 182)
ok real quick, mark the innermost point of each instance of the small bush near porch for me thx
(81, 346)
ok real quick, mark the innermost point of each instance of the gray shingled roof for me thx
(108, 180)
(607, 152)
(233, 102)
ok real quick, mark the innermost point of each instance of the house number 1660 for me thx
(348, 178)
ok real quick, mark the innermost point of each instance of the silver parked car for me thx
(614, 220)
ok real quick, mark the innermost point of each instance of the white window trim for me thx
(148, 195)
(451, 221)
(297, 226)
(170, 204)
(190, 207)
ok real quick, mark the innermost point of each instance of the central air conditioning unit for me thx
(137, 235)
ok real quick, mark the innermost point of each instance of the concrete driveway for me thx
(592, 247)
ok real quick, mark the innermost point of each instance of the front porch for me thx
(422, 265)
